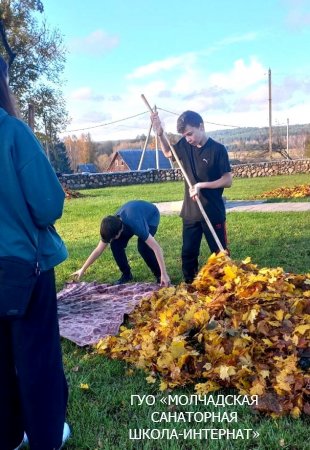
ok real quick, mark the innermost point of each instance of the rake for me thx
(204, 214)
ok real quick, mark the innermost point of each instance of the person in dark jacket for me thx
(33, 388)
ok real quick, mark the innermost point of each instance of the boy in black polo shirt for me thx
(206, 164)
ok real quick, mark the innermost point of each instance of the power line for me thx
(141, 114)
(170, 112)
(224, 125)
(106, 124)
(205, 121)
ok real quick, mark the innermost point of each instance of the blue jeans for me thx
(119, 245)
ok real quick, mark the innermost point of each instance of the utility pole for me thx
(156, 146)
(270, 113)
(47, 148)
(287, 125)
(31, 115)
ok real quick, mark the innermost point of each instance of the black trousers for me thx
(192, 235)
(119, 245)
(33, 388)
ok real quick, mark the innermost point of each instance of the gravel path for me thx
(241, 206)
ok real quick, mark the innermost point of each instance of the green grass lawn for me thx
(245, 189)
(102, 416)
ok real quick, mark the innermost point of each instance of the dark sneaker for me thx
(123, 279)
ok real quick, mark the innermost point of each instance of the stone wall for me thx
(98, 180)
(268, 169)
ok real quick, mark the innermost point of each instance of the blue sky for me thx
(211, 56)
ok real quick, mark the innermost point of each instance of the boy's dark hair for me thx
(110, 227)
(190, 118)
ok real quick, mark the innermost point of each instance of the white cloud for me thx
(95, 117)
(157, 66)
(86, 94)
(241, 76)
(228, 41)
(237, 96)
(82, 93)
(188, 59)
(238, 38)
(96, 43)
(150, 90)
(201, 91)
(258, 95)
(190, 78)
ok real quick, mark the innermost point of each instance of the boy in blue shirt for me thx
(139, 218)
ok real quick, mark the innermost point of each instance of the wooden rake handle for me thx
(204, 214)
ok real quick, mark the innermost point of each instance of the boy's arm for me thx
(92, 258)
(224, 182)
(153, 244)
(160, 133)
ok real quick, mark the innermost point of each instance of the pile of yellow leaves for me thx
(285, 192)
(237, 326)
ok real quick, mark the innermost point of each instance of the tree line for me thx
(36, 56)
